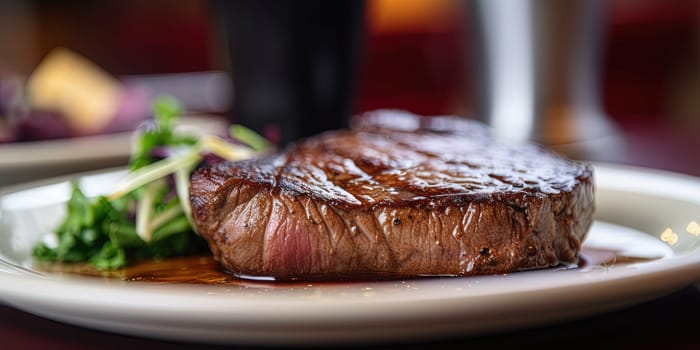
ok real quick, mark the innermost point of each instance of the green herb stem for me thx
(225, 150)
(182, 187)
(161, 218)
(143, 212)
(155, 171)
(249, 138)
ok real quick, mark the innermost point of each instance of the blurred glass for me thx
(539, 74)
(293, 63)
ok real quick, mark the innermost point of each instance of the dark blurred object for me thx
(293, 63)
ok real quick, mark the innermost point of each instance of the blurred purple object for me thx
(42, 125)
(134, 107)
(161, 152)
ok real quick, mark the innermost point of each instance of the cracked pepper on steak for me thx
(398, 195)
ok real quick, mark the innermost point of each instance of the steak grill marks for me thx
(395, 197)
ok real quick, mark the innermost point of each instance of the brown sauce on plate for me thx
(203, 269)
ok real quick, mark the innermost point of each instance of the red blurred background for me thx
(417, 54)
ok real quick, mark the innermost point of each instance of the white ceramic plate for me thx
(644, 214)
(27, 161)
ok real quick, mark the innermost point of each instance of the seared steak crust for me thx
(397, 196)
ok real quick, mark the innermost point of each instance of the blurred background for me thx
(418, 55)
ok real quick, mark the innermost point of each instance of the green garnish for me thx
(166, 111)
(142, 218)
(249, 137)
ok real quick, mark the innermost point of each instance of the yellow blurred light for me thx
(693, 228)
(669, 236)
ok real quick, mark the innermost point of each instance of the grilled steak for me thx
(397, 196)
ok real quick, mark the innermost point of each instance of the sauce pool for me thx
(203, 269)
